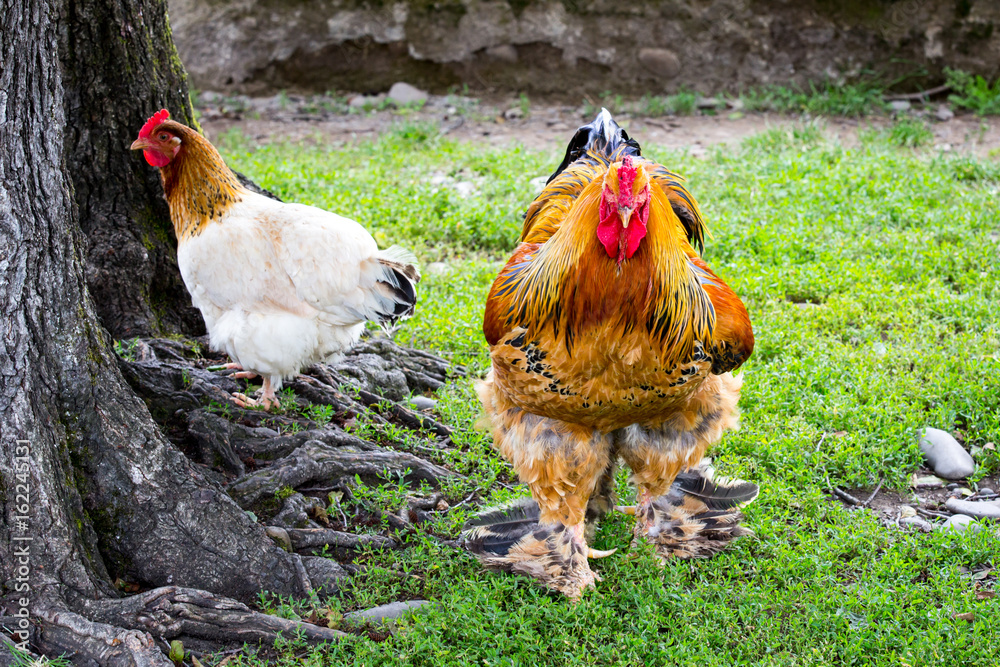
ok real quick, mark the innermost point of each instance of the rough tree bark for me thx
(119, 66)
(93, 492)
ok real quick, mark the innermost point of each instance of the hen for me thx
(610, 338)
(281, 286)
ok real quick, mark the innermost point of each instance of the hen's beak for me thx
(139, 144)
(625, 213)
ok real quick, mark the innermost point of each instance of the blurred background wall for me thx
(572, 47)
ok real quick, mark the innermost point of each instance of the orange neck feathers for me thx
(571, 282)
(198, 185)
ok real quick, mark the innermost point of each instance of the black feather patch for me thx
(603, 136)
(498, 529)
(517, 511)
(719, 495)
(399, 282)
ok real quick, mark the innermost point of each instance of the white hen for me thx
(281, 286)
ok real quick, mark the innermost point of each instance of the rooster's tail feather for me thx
(603, 136)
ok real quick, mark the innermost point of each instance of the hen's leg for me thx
(562, 464)
(695, 516)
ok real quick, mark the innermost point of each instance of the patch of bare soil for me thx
(549, 127)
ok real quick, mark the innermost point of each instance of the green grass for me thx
(872, 279)
(974, 93)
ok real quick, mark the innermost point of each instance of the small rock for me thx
(504, 52)
(926, 482)
(944, 113)
(360, 101)
(386, 612)
(708, 102)
(736, 104)
(664, 63)
(442, 505)
(918, 523)
(945, 455)
(899, 105)
(436, 268)
(403, 93)
(513, 113)
(906, 512)
(952, 486)
(209, 97)
(980, 510)
(280, 536)
(423, 403)
(537, 184)
(960, 523)
(986, 491)
(465, 189)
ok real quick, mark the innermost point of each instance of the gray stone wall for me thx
(573, 47)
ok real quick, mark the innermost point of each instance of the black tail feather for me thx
(604, 136)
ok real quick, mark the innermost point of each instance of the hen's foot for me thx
(232, 366)
(267, 399)
(512, 539)
(244, 401)
(696, 518)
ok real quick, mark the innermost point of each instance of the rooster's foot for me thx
(553, 553)
(679, 524)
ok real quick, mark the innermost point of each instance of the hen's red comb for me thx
(153, 122)
(626, 175)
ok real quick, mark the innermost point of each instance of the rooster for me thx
(610, 339)
(281, 286)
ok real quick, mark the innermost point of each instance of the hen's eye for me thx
(164, 136)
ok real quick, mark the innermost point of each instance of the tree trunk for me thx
(93, 493)
(119, 66)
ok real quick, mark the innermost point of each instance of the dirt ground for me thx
(548, 128)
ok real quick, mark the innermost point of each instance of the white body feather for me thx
(282, 286)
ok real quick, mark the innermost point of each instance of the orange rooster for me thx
(610, 338)
(281, 286)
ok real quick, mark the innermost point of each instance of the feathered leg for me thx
(603, 499)
(562, 464)
(686, 514)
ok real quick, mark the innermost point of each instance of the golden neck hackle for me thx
(198, 185)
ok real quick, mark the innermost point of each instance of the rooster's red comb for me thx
(626, 175)
(153, 122)
(626, 178)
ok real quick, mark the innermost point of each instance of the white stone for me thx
(944, 113)
(960, 523)
(980, 510)
(386, 612)
(437, 268)
(899, 105)
(403, 93)
(423, 403)
(537, 184)
(917, 522)
(945, 455)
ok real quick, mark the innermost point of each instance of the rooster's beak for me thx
(139, 144)
(625, 214)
